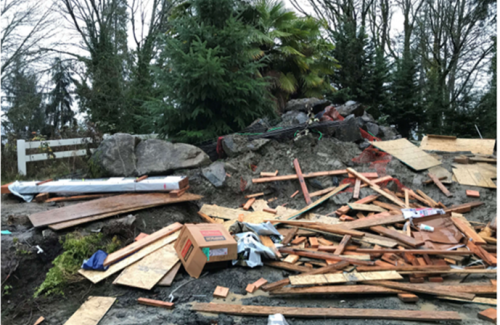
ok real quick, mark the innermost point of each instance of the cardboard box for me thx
(204, 243)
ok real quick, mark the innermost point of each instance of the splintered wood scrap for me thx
(294, 176)
(324, 256)
(294, 194)
(361, 177)
(42, 197)
(313, 242)
(221, 292)
(407, 297)
(342, 245)
(388, 196)
(248, 204)
(346, 218)
(39, 320)
(177, 193)
(368, 199)
(489, 315)
(156, 303)
(302, 182)
(428, 181)
(269, 174)
(137, 180)
(427, 198)
(250, 288)
(254, 195)
(407, 197)
(357, 187)
(320, 279)
(439, 185)
(292, 259)
(206, 217)
(322, 192)
(366, 207)
(291, 234)
(259, 283)
(472, 193)
(269, 210)
(298, 240)
(482, 254)
(333, 313)
(467, 230)
(379, 180)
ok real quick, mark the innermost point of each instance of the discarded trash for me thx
(6, 232)
(426, 228)
(95, 262)
(251, 250)
(276, 319)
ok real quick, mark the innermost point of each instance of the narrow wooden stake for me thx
(407, 197)
(206, 217)
(294, 194)
(440, 185)
(137, 180)
(342, 245)
(303, 185)
(357, 187)
(249, 204)
(361, 177)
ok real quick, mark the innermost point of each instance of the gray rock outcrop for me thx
(215, 174)
(304, 104)
(115, 156)
(235, 144)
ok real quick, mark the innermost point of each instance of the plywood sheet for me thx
(167, 280)
(146, 273)
(481, 146)
(92, 311)
(106, 205)
(222, 212)
(97, 276)
(475, 175)
(408, 153)
(343, 277)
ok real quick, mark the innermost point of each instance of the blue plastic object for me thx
(95, 262)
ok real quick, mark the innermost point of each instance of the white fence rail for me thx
(22, 145)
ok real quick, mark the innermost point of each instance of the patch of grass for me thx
(76, 249)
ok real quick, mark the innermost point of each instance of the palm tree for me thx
(298, 58)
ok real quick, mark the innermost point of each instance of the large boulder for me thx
(115, 156)
(215, 174)
(235, 144)
(156, 156)
(351, 107)
(373, 129)
(304, 104)
(348, 131)
(389, 133)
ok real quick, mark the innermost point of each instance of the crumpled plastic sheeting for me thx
(276, 319)
(251, 250)
(266, 229)
(14, 189)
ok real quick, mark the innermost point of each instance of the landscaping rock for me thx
(367, 117)
(235, 144)
(155, 157)
(373, 129)
(349, 108)
(115, 156)
(304, 104)
(215, 174)
(388, 133)
(293, 118)
(348, 131)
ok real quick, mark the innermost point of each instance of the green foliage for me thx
(76, 248)
(7, 290)
(297, 57)
(209, 85)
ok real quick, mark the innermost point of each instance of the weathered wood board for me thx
(475, 175)
(146, 273)
(482, 146)
(222, 212)
(440, 171)
(97, 276)
(91, 311)
(408, 153)
(343, 277)
(167, 280)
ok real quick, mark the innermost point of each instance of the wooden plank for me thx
(292, 177)
(482, 254)
(206, 217)
(288, 238)
(407, 297)
(336, 229)
(366, 207)
(388, 206)
(357, 188)
(454, 271)
(58, 143)
(335, 290)
(379, 180)
(368, 199)
(342, 245)
(489, 315)
(475, 288)
(313, 242)
(324, 256)
(147, 272)
(427, 198)
(97, 276)
(322, 270)
(384, 219)
(319, 279)
(178, 193)
(291, 259)
(91, 311)
(259, 283)
(135, 246)
(315, 204)
(407, 197)
(302, 182)
(248, 204)
(413, 251)
(288, 266)
(294, 194)
(427, 289)
(476, 300)
(334, 313)
(480, 146)
(407, 153)
(397, 235)
(156, 303)
(468, 231)
(402, 268)
(254, 195)
(362, 178)
(440, 185)
(39, 320)
(269, 174)
(298, 240)
(221, 292)
(5, 188)
(137, 180)
(389, 197)
(167, 280)
(105, 205)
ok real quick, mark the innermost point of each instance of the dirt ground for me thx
(27, 269)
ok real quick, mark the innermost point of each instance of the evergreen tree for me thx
(58, 111)
(209, 82)
(24, 110)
